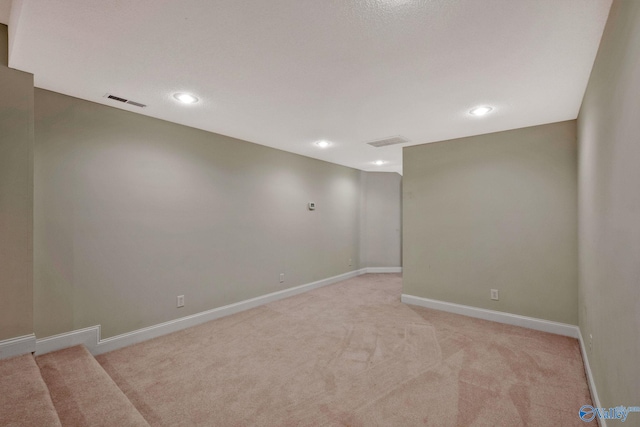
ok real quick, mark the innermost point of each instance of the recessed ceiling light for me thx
(185, 98)
(379, 162)
(480, 111)
(323, 144)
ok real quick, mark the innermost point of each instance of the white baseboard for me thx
(591, 381)
(17, 346)
(383, 269)
(495, 316)
(91, 339)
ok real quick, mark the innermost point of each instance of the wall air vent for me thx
(126, 101)
(392, 140)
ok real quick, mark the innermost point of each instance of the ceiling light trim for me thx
(481, 110)
(185, 98)
(323, 143)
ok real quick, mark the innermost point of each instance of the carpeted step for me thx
(24, 397)
(83, 393)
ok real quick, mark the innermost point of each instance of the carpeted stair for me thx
(24, 397)
(83, 393)
(63, 388)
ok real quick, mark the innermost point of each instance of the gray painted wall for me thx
(131, 211)
(381, 225)
(16, 199)
(609, 209)
(494, 211)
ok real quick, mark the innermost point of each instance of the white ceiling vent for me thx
(124, 100)
(392, 140)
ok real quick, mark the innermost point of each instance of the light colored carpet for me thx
(24, 397)
(352, 354)
(82, 392)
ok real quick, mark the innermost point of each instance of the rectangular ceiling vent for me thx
(392, 140)
(137, 104)
(126, 101)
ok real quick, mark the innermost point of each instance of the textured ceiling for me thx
(286, 73)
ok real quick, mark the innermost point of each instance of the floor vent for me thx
(126, 101)
(392, 140)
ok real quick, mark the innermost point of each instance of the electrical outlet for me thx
(281, 277)
(350, 262)
(590, 342)
(180, 301)
(495, 295)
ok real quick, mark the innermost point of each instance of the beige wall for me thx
(16, 199)
(609, 209)
(132, 211)
(494, 211)
(381, 224)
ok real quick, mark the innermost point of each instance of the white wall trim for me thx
(383, 269)
(91, 339)
(495, 316)
(17, 346)
(590, 379)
